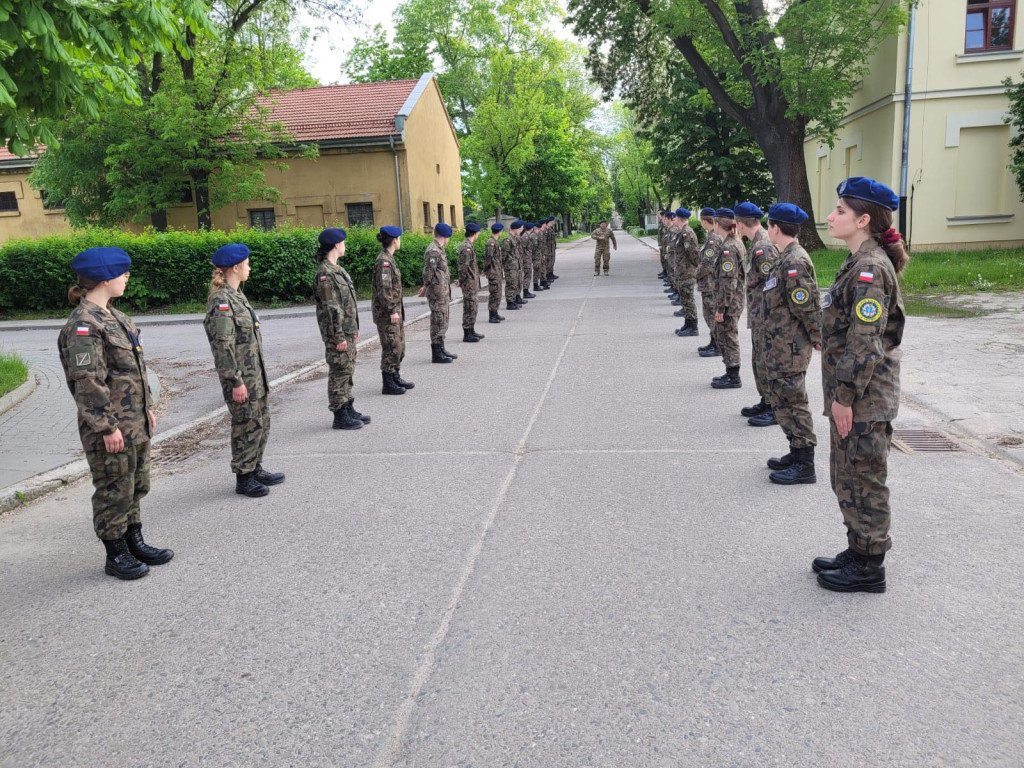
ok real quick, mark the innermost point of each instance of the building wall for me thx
(31, 219)
(962, 194)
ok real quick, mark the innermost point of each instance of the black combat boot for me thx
(679, 313)
(444, 349)
(493, 318)
(356, 414)
(469, 337)
(391, 387)
(861, 573)
(246, 484)
(142, 551)
(755, 410)
(662, 275)
(731, 379)
(536, 286)
(268, 478)
(345, 420)
(511, 305)
(597, 273)
(668, 289)
(552, 276)
(479, 336)
(766, 419)
(521, 299)
(121, 562)
(528, 295)
(437, 356)
(545, 285)
(782, 461)
(689, 328)
(820, 564)
(799, 472)
(676, 302)
(711, 350)
(402, 382)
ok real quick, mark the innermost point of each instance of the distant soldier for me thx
(388, 310)
(337, 314)
(729, 298)
(510, 263)
(671, 243)
(437, 287)
(761, 263)
(662, 230)
(494, 273)
(791, 330)
(530, 244)
(540, 257)
(554, 249)
(469, 281)
(602, 253)
(705, 278)
(233, 329)
(101, 353)
(687, 260)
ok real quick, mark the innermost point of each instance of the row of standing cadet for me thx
(857, 325)
(102, 356)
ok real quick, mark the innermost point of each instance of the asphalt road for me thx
(561, 550)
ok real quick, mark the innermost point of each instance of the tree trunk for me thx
(201, 181)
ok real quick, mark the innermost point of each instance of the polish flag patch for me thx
(82, 330)
(791, 273)
(867, 277)
(224, 307)
(323, 278)
(725, 252)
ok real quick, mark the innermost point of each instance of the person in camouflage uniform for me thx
(762, 260)
(668, 239)
(540, 251)
(469, 281)
(529, 244)
(101, 353)
(729, 298)
(862, 329)
(790, 326)
(551, 245)
(493, 271)
(705, 278)
(388, 310)
(510, 263)
(233, 330)
(662, 231)
(602, 253)
(437, 287)
(337, 314)
(685, 270)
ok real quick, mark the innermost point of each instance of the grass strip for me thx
(13, 372)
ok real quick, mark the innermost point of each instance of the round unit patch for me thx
(708, 253)
(826, 301)
(869, 310)
(766, 267)
(728, 266)
(800, 295)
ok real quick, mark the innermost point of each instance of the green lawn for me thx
(574, 237)
(13, 372)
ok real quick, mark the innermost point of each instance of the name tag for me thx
(771, 283)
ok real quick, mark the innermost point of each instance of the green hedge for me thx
(172, 267)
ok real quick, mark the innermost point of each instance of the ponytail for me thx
(77, 291)
(881, 229)
(322, 251)
(217, 281)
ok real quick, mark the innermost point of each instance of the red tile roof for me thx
(360, 110)
(6, 154)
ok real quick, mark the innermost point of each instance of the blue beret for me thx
(670, 214)
(683, 213)
(863, 188)
(442, 230)
(391, 231)
(229, 255)
(517, 224)
(749, 211)
(332, 236)
(497, 226)
(707, 213)
(101, 263)
(530, 225)
(472, 228)
(725, 213)
(787, 213)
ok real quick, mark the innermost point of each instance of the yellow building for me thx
(960, 193)
(388, 155)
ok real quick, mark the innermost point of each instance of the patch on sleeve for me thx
(800, 296)
(868, 310)
(727, 266)
(224, 307)
(791, 273)
(867, 277)
(766, 267)
(709, 253)
(759, 252)
(725, 251)
(83, 359)
(82, 330)
(323, 278)
(826, 301)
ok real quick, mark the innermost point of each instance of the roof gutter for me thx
(398, 186)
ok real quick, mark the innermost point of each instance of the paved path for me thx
(561, 550)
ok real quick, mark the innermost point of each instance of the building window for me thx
(8, 202)
(453, 216)
(48, 204)
(440, 212)
(426, 214)
(360, 214)
(186, 195)
(989, 25)
(262, 218)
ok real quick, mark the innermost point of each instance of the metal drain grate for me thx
(924, 441)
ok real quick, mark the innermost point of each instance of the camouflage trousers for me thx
(512, 286)
(392, 346)
(859, 466)
(551, 261)
(687, 302)
(494, 288)
(757, 362)
(469, 304)
(121, 481)
(340, 368)
(439, 314)
(539, 273)
(707, 303)
(664, 263)
(527, 273)
(602, 256)
(727, 334)
(787, 395)
(250, 428)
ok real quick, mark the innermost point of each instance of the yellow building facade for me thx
(960, 193)
(389, 154)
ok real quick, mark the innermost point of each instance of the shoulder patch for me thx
(82, 330)
(759, 252)
(771, 284)
(709, 252)
(867, 277)
(791, 273)
(727, 266)
(868, 310)
(323, 278)
(224, 307)
(766, 267)
(800, 296)
(826, 300)
(83, 359)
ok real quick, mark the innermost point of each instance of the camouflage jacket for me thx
(233, 329)
(790, 314)
(671, 246)
(662, 231)
(469, 271)
(492, 259)
(763, 256)
(552, 241)
(101, 352)
(689, 253)
(603, 236)
(386, 299)
(337, 308)
(862, 328)
(437, 278)
(510, 253)
(728, 277)
(708, 262)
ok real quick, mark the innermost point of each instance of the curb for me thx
(15, 396)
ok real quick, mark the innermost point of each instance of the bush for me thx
(172, 267)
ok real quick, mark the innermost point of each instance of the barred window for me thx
(8, 202)
(262, 218)
(360, 214)
(49, 204)
(989, 25)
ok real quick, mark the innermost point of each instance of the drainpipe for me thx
(398, 185)
(908, 88)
